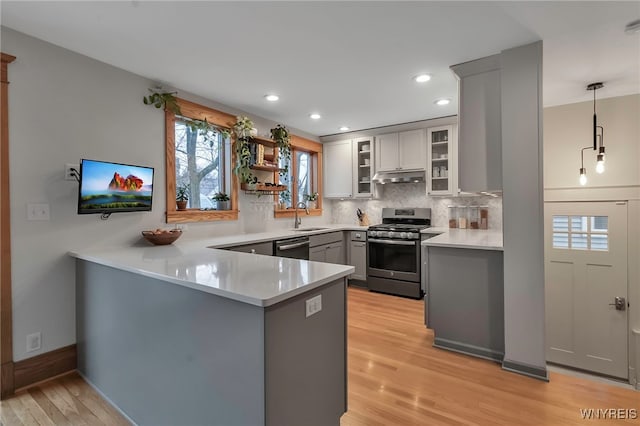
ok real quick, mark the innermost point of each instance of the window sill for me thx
(194, 215)
(301, 213)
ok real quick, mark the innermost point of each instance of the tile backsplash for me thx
(412, 195)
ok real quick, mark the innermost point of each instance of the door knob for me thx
(620, 303)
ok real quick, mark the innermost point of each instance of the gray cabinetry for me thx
(327, 248)
(465, 300)
(265, 248)
(479, 125)
(358, 254)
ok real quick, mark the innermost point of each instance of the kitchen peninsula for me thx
(186, 334)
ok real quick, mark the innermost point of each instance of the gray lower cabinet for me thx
(265, 248)
(465, 300)
(327, 248)
(358, 254)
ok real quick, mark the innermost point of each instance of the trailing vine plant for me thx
(242, 129)
(280, 135)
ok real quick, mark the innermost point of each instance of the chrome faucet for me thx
(296, 220)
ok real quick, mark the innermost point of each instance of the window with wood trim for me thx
(202, 159)
(303, 178)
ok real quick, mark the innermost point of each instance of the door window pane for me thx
(578, 223)
(600, 242)
(599, 223)
(579, 241)
(560, 240)
(561, 223)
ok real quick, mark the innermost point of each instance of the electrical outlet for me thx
(34, 341)
(68, 173)
(37, 211)
(313, 305)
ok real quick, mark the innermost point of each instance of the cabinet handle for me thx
(253, 251)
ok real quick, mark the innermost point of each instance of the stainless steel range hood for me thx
(399, 177)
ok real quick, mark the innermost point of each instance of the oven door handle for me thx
(392, 242)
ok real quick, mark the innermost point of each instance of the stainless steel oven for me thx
(393, 252)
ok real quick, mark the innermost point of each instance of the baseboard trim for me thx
(45, 366)
(467, 349)
(539, 373)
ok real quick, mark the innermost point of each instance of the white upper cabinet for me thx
(387, 155)
(442, 172)
(401, 151)
(412, 149)
(363, 159)
(338, 169)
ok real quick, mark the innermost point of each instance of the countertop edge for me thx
(462, 246)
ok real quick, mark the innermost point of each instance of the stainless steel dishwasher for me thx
(296, 248)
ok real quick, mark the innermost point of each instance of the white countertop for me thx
(250, 278)
(482, 239)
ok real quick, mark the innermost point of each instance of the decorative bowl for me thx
(162, 237)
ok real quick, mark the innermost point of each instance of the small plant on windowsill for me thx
(222, 201)
(312, 200)
(285, 198)
(182, 196)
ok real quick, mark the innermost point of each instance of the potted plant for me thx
(312, 200)
(222, 201)
(285, 197)
(162, 99)
(280, 135)
(182, 196)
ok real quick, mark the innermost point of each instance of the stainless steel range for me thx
(393, 255)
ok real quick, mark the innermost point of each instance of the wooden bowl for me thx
(162, 239)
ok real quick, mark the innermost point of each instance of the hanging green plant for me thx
(280, 135)
(161, 99)
(242, 129)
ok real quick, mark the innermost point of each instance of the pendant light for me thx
(598, 139)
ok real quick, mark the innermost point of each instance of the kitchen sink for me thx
(309, 229)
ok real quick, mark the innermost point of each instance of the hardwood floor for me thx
(395, 378)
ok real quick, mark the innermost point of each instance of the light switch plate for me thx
(34, 342)
(313, 305)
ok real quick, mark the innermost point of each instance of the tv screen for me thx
(112, 187)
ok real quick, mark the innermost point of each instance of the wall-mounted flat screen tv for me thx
(113, 187)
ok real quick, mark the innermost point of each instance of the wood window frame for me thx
(315, 149)
(213, 116)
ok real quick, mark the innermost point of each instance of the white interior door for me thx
(585, 273)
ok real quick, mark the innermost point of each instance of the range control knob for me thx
(391, 234)
(412, 236)
(373, 233)
(403, 235)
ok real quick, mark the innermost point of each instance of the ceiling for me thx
(351, 62)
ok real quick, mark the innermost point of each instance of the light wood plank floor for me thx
(395, 378)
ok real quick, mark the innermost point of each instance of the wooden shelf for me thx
(263, 141)
(265, 168)
(262, 189)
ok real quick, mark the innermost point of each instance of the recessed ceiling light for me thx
(344, 128)
(442, 102)
(315, 116)
(271, 98)
(422, 78)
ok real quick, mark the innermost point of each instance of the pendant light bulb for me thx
(600, 164)
(583, 176)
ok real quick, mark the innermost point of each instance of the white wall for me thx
(63, 107)
(567, 129)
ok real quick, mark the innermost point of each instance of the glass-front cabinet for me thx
(442, 168)
(363, 167)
